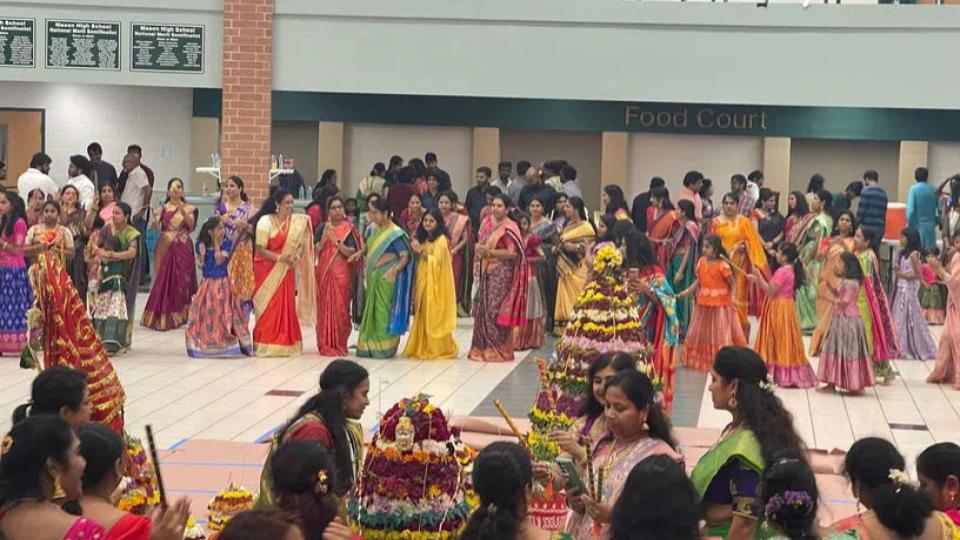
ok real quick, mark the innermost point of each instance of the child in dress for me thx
(913, 334)
(845, 358)
(216, 325)
(530, 335)
(779, 342)
(714, 323)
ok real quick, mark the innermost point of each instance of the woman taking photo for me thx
(235, 213)
(388, 275)
(15, 294)
(741, 240)
(460, 234)
(727, 477)
(283, 246)
(115, 305)
(829, 257)
(807, 236)
(72, 216)
(40, 455)
(895, 507)
(571, 260)
(217, 324)
(434, 294)
(638, 429)
(502, 293)
(338, 250)
(175, 275)
(330, 417)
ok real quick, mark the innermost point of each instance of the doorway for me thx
(21, 136)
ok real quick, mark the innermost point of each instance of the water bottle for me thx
(273, 161)
(206, 192)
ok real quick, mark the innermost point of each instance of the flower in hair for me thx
(6, 445)
(899, 478)
(766, 384)
(322, 486)
(799, 500)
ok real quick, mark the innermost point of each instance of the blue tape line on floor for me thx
(208, 464)
(178, 444)
(266, 436)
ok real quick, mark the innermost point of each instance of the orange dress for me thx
(779, 342)
(714, 324)
(740, 230)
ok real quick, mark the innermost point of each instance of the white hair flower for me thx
(899, 478)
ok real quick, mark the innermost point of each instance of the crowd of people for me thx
(59, 467)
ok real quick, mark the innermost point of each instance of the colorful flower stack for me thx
(412, 485)
(606, 318)
(228, 503)
(139, 492)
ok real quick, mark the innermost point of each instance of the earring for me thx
(58, 492)
(732, 403)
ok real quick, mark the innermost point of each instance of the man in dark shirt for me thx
(122, 178)
(398, 196)
(642, 201)
(103, 172)
(537, 189)
(872, 210)
(434, 168)
(477, 197)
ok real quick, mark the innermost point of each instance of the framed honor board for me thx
(73, 44)
(17, 42)
(167, 47)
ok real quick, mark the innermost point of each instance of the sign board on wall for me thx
(83, 44)
(167, 47)
(17, 42)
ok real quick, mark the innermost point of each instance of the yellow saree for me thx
(571, 269)
(434, 304)
(733, 233)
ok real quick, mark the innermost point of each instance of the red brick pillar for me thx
(247, 82)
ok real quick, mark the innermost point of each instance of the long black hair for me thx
(851, 267)
(900, 507)
(239, 182)
(639, 390)
(618, 361)
(502, 473)
(609, 221)
(789, 250)
(617, 200)
(686, 208)
(206, 231)
(170, 185)
(816, 183)
(714, 242)
(303, 480)
(101, 447)
(18, 210)
(802, 208)
(339, 380)
(52, 390)
(639, 250)
(790, 498)
(126, 210)
(269, 206)
(939, 462)
(577, 204)
(22, 467)
(658, 502)
(438, 231)
(758, 407)
(913, 243)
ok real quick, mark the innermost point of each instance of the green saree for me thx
(378, 337)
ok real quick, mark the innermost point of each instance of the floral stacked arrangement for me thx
(139, 492)
(228, 503)
(193, 531)
(413, 481)
(606, 318)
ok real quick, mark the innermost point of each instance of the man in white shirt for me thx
(137, 193)
(37, 177)
(503, 180)
(78, 169)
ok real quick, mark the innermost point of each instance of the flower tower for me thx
(413, 483)
(606, 318)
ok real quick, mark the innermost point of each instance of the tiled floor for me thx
(244, 400)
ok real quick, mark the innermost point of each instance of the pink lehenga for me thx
(947, 368)
(168, 305)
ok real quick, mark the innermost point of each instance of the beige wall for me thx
(366, 144)
(841, 162)
(581, 149)
(672, 156)
(299, 140)
(944, 160)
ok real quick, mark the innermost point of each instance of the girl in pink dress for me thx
(947, 368)
(845, 357)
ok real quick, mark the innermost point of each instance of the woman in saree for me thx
(807, 235)
(798, 215)
(875, 307)
(828, 256)
(769, 223)
(571, 260)
(605, 238)
(501, 299)
(661, 224)
(614, 202)
(388, 274)
(546, 268)
(175, 274)
(365, 228)
(50, 235)
(283, 244)
(530, 335)
(116, 253)
(434, 294)
(637, 429)
(681, 269)
(15, 294)
(742, 241)
(72, 216)
(338, 249)
(235, 213)
(658, 308)
(727, 477)
(412, 214)
(461, 250)
(103, 204)
(558, 214)
(947, 367)
(35, 207)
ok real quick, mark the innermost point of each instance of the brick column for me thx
(247, 82)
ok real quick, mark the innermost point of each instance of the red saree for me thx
(458, 228)
(70, 340)
(661, 231)
(275, 299)
(335, 291)
(130, 527)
